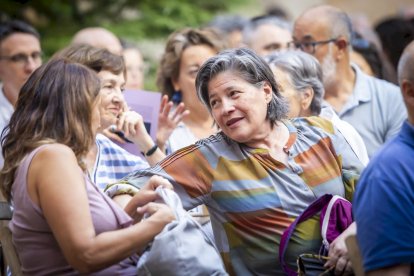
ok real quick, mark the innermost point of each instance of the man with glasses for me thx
(374, 107)
(20, 55)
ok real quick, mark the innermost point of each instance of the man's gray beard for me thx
(328, 68)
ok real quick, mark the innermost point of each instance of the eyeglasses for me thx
(23, 58)
(309, 47)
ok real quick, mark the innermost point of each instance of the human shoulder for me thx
(314, 123)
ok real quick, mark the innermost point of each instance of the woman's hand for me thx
(146, 195)
(159, 213)
(168, 121)
(338, 253)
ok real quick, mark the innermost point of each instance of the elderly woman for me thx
(260, 171)
(62, 224)
(299, 77)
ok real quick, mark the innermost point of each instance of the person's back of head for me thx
(267, 33)
(395, 34)
(97, 59)
(51, 110)
(370, 53)
(304, 72)
(99, 38)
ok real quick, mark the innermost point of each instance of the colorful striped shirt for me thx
(252, 198)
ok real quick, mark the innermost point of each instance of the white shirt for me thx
(6, 111)
(348, 131)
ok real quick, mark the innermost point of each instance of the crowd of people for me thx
(259, 118)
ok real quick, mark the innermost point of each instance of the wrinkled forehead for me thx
(307, 29)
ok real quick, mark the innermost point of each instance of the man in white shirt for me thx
(20, 55)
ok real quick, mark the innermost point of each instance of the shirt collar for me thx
(360, 93)
(361, 88)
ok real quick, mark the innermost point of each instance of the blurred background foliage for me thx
(144, 22)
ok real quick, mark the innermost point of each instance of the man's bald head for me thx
(406, 64)
(406, 79)
(335, 21)
(99, 38)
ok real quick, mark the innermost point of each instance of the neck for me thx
(271, 138)
(340, 88)
(10, 93)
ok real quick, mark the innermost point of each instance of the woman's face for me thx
(96, 114)
(192, 59)
(239, 108)
(289, 92)
(112, 99)
(135, 69)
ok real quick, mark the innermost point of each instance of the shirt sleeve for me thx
(383, 211)
(187, 170)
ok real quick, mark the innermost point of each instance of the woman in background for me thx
(186, 50)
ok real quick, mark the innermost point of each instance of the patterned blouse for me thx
(252, 198)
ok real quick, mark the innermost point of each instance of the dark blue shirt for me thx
(384, 204)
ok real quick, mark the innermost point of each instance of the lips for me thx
(233, 122)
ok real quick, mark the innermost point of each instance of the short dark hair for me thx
(16, 26)
(250, 67)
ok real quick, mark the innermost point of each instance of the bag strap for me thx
(309, 212)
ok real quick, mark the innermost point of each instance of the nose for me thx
(227, 106)
(31, 65)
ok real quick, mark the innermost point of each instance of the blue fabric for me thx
(384, 204)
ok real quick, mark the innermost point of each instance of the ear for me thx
(306, 99)
(176, 85)
(407, 89)
(267, 89)
(342, 44)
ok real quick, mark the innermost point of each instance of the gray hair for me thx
(256, 22)
(339, 23)
(250, 67)
(304, 71)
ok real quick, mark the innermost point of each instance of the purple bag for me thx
(335, 217)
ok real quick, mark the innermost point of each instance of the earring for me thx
(176, 97)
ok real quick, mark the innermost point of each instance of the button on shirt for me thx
(375, 109)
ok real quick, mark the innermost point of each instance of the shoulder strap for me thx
(309, 212)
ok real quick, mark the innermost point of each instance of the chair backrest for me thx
(9, 251)
(355, 255)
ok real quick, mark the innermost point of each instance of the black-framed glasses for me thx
(309, 46)
(23, 58)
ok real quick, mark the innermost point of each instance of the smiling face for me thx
(239, 108)
(112, 99)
